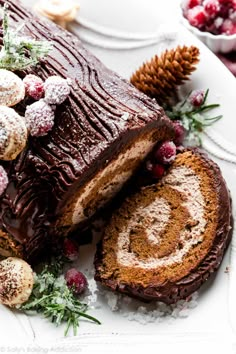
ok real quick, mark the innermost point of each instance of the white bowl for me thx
(217, 43)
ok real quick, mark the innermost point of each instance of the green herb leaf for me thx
(19, 52)
(194, 119)
(52, 298)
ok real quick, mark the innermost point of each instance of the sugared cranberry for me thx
(233, 5)
(225, 6)
(39, 118)
(179, 132)
(211, 7)
(158, 171)
(225, 2)
(3, 180)
(211, 27)
(70, 249)
(34, 86)
(197, 16)
(56, 89)
(189, 4)
(213, 16)
(228, 27)
(166, 153)
(196, 98)
(217, 24)
(232, 13)
(76, 280)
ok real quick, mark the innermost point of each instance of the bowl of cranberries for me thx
(212, 21)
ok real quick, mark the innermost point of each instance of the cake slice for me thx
(101, 134)
(164, 241)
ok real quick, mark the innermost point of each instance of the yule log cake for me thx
(101, 133)
(166, 240)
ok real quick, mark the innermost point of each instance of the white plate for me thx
(214, 318)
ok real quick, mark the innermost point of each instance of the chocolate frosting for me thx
(89, 129)
(171, 292)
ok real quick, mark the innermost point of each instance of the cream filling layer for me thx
(137, 151)
(185, 181)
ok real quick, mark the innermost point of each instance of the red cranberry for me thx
(166, 153)
(3, 180)
(224, 2)
(228, 27)
(158, 171)
(232, 13)
(233, 29)
(211, 26)
(217, 24)
(233, 5)
(214, 16)
(70, 249)
(189, 4)
(211, 7)
(57, 90)
(224, 8)
(39, 118)
(34, 86)
(179, 132)
(76, 280)
(197, 98)
(197, 16)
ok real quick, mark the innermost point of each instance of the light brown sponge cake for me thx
(166, 239)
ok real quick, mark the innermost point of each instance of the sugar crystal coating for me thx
(13, 133)
(56, 89)
(166, 153)
(12, 89)
(34, 86)
(197, 98)
(39, 118)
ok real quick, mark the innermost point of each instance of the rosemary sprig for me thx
(52, 298)
(194, 118)
(19, 52)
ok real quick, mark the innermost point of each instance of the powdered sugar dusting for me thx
(34, 86)
(56, 89)
(135, 310)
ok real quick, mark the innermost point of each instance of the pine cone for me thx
(160, 77)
